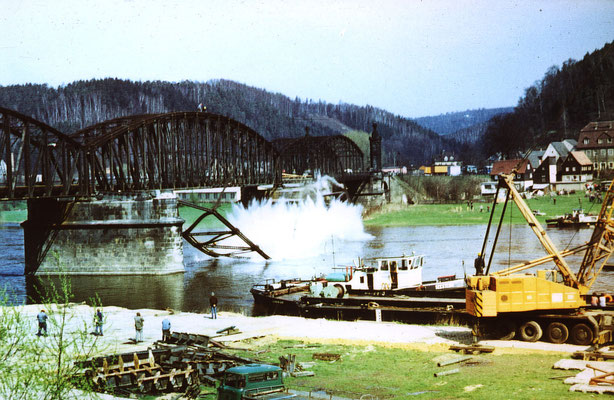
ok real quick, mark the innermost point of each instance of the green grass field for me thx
(401, 373)
(460, 214)
(413, 215)
(13, 216)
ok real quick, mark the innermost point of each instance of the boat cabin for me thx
(380, 274)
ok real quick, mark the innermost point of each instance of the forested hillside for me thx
(453, 122)
(82, 103)
(557, 106)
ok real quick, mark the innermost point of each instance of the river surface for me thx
(448, 250)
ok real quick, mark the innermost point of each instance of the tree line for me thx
(557, 106)
(553, 108)
(273, 115)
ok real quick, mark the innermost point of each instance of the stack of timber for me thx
(179, 364)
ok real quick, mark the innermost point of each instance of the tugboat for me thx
(382, 277)
(576, 219)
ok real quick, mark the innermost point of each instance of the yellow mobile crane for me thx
(550, 302)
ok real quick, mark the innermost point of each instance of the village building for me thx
(559, 150)
(523, 177)
(597, 141)
(577, 167)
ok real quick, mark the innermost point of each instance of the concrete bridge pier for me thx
(116, 234)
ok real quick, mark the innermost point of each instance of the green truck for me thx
(254, 382)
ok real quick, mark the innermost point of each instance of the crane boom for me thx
(507, 182)
(601, 244)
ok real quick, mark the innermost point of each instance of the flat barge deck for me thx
(420, 307)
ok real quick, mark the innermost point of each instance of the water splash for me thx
(301, 227)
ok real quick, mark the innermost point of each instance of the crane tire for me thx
(557, 332)
(506, 330)
(582, 334)
(530, 331)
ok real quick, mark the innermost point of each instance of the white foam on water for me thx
(300, 228)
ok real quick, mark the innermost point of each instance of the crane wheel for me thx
(581, 334)
(557, 332)
(340, 290)
(530, 331)
(506, 330)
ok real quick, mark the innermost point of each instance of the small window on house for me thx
(609, 140)
(573, 169)
(585, 140)
(600, 140)
(566, 169)
(610, 152)
(603, 152)
(611, 165)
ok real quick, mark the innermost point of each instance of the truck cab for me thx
(253, 381)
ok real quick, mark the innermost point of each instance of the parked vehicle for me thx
(254, 382)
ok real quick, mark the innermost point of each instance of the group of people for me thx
(166, 323)
(138, 322)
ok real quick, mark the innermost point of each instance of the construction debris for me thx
(567, 364)
(472, 349)
(454, 361)
(594, 355)
(179, 364)
(448, 372)
(231, 330)
(326, 356)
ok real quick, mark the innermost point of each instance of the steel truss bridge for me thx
(156, 151)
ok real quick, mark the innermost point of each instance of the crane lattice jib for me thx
(507, 182)
(601, 244)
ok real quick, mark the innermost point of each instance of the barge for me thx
(576, 219)
(387, 288)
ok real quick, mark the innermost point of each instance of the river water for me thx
(448, 250)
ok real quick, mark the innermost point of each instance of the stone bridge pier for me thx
(115, 234)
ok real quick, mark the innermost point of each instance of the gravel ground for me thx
(119, 330)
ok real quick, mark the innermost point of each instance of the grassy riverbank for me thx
(412, 215)
(461, 214)
(385, 360)
(390, 372)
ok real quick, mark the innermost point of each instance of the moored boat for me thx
(382, 277)
(576, 219)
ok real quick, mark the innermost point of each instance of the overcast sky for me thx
(413, 58)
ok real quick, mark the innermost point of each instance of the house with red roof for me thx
(523, 172)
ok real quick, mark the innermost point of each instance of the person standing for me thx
(138, 326)
(479, 264)
(166, 329)
(98, 322)
(213, 304)
(42, 323)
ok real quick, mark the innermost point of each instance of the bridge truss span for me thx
(178, 150)
(333, 155)
(36, 160)
(155, 151)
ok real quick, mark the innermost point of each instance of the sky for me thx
(412, 58)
